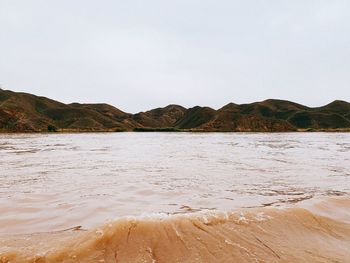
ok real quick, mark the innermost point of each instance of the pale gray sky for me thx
(138, 54)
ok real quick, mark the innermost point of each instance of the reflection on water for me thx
(56, 181)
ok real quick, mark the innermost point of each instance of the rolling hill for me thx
(24, 112)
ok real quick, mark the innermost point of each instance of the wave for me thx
(319, 233)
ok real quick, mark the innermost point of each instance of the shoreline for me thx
(148, 130)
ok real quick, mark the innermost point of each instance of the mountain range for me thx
(24, 112)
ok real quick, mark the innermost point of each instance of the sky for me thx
(138, 54)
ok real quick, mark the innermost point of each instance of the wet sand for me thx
(249, 235)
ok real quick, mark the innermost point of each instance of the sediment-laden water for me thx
(175, 197)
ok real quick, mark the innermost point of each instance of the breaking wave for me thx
(319, 233)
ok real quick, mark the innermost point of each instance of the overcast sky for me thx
(141, 54)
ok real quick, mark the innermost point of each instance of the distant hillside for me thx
(160, 117)
(23, 112)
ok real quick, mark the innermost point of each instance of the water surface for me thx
(51, 182)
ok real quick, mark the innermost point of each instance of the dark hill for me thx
(338, 106)
(104, 109)
(23, 112)
(195, 117)
(318, 120)
(160, 117)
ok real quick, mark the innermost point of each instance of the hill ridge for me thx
(25, 112)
